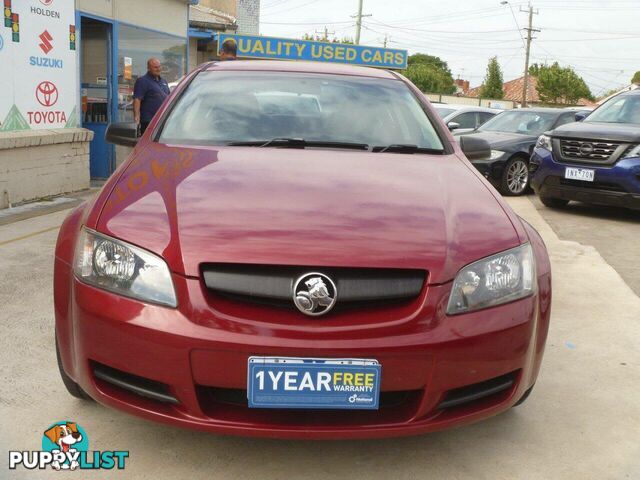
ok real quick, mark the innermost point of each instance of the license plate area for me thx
(583, 174)
(313, 383)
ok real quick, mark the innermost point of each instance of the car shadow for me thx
(593, 211)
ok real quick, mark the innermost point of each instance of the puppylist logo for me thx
(65, 446)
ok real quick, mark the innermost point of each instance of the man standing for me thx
(149, 92)
(229, 50)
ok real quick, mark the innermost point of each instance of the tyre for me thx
(72, 387)
(524, 397)
(515, 177)
(554, 202)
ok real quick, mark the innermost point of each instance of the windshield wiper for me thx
(298, 143)
(405, 148)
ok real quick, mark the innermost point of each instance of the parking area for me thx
(615, 233)
(582, 420)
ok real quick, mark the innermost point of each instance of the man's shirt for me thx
(151, 91)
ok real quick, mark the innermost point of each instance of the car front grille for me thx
(273, 284)
(589, 151)
(225, 404)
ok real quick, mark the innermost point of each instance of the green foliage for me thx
(423, 58)
(492, 86)
(534, 70)
(321, 38)
(430, 74)
(636, 78)
(608, 93)
(561, 85)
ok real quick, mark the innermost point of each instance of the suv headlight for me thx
(633, 151)
(119, 267)
(494, 280)
(544, 141)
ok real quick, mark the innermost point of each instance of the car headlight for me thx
(496, 154)
(494, 280)
(633, 151)
(544, 141)
(119, 267)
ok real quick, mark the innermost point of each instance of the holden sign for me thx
(42, 89)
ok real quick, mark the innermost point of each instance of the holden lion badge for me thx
(314, 294)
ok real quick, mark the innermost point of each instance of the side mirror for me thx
(581, 116)
(122, 133)
(453, 126)
(475, 148)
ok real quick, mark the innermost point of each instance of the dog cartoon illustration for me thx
(64, 436)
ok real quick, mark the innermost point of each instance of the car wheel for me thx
(515, 178)
(72, 387)
(554, 202)
(524, 397)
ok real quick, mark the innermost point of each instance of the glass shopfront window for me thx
(135, 47)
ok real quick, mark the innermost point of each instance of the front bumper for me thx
(617, 185)
(492, 169)
(200, 355)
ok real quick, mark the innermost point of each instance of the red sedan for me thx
(299, 250)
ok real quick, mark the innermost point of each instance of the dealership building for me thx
(69, 70)
(70, 67)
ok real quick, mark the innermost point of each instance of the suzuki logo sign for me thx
(46, 94)
(46, 45)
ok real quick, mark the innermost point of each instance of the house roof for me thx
(513, 91)
(205, 17)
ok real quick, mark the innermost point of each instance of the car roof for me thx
(539, 110)
(455, 106)
(298, 66)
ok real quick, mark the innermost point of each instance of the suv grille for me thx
(588, 150)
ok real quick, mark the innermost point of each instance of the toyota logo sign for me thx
(47, 94)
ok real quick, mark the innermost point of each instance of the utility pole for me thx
(359, 21)
(529, 30)
(325, 34)
(385, 40)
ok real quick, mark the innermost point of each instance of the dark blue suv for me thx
(594, 161)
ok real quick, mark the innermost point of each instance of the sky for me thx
(600, 39)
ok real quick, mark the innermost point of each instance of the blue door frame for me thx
(101, 154)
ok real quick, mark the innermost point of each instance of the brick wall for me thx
(41, 163)
(248, 14)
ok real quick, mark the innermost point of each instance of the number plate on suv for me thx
(584, 174)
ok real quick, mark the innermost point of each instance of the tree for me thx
(608, 93)
(636, 78)
(561, 85)
(430, 74)
(427, 59)
(325, 38)
(492, 86)
(534, 70)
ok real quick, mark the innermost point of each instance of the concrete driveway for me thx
(581, 422)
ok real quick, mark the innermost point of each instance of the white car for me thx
(464, 118)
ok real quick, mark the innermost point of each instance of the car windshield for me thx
(234, 107)
(443, 112)
(520, 121)
(623, 109)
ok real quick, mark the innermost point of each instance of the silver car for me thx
(464, 118)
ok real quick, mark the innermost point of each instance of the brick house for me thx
(513, 91)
